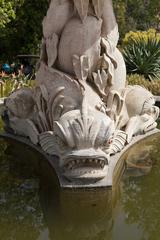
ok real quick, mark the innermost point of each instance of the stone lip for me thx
(116, 160)
(116, 164)
(157, 99)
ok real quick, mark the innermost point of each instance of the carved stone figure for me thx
(81, 109)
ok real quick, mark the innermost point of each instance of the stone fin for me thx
(51, 49)
(81, 67)
(82, 8)
(98, 7)
(43, 53)
(118, 142)
(47, 142)
(114, 104)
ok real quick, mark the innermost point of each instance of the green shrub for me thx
(136, 36)
(153, 86)
(9, 84)
(142, 53)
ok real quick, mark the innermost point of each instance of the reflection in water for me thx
(32, 207)
(20, 217)
(141, 196)
(79, 215)
(68, 214)
(139, 158)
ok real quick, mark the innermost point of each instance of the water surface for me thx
(32, 207)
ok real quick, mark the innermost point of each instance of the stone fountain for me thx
(82, 109)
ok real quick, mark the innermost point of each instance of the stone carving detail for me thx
(81, 109)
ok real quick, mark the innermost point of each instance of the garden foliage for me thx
(11, 83)
(142, 53)
(153, 86)
(21, 31)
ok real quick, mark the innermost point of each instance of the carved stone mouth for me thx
(85, 167)
(89, 162)
(86, 173)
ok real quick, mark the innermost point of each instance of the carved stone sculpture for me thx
(81, 108)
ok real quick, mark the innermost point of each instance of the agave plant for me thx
(143, 57)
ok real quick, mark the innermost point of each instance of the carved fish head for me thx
(78, 140)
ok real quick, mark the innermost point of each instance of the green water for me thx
(32, 207)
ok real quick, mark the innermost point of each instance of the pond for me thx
(33, 207)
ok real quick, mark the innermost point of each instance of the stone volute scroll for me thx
(82, 109)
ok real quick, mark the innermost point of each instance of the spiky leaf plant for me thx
(143, 57)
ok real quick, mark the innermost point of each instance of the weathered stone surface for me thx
(80, 40)
(81, 109)
(21, 103)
